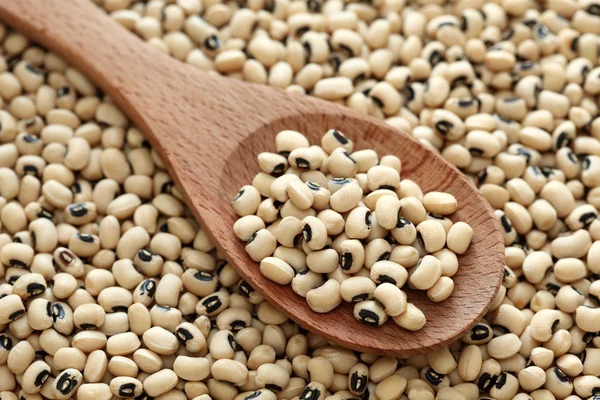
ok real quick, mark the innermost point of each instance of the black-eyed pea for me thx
(20, 357)
(277, 270)
(125, 387)
(459, 237)
(29, 285)
(230, 371)
(569, 270)
(586, 318)
(357, 288)
(68, 262)
(376, 250)
(261, 244)
(574, 245)
(427, 273)
(559, 197)
(44, 234)
(192, 368)
(69, 357)
(126, 343)
(35, 376)
(11, 308)
(18, 255)
(387, 211)
(304, 281)
(391, 298)
(288, 231)
(432, 235)
(407, 256)
(272, 377)
(441, 290)
(324, 297)
(448, 261)
(165, 317)
(160, 382)
(346, 197)
(89, 316)
(190, 336)
(412, 319)
(57, 194)
(288, 140)
(519, 217)
(39, 314)
(84, 245)
(66, 383)
(383, 177)
(413, 210)
(543, 324)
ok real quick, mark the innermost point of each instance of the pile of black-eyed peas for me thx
(109, 288)
(340, 225)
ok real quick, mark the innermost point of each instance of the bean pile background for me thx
(504, 90)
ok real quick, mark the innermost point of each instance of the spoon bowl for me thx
(209, 130)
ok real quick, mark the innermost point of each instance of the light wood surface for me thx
(209, 130)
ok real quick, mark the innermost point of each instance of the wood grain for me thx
(210, 129)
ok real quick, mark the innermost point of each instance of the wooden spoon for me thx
(209, 130)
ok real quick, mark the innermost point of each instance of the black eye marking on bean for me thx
(237, 325)
(212, 42)
(239, 194)
(212, 303)
(31, 138)
(63, 91)
(384, 256)
(87, 326)
(120, 308)
(302, 163)
(66, 383)
(245, 289)
(369, 317)
(17, 263)
(145, 255)
(310, 394)
(346, 261)
(443, 127)
(6, 342)
(41, 378)
(386, 279)
(278, 169)
(358, 383)
(387, 187)
(148, 288)
(313, 186)
(35, 288)
(252, 237)
(203, 276)
(555, 325)
(593, 9)
(43, 213)
(486, 381)
(587, 218)
(78, 210)
(183, 335)
(252, 395)
(475, 151)
(501, 380)
(433, 377)
(84, 237)
(232, 342)
(360, 297)
(480, 332)
(273, 387)
(572, 157)
(307, 233)
(58, 312)
(482, 176)
(16, 315)
(127, 389)
(506, 224)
